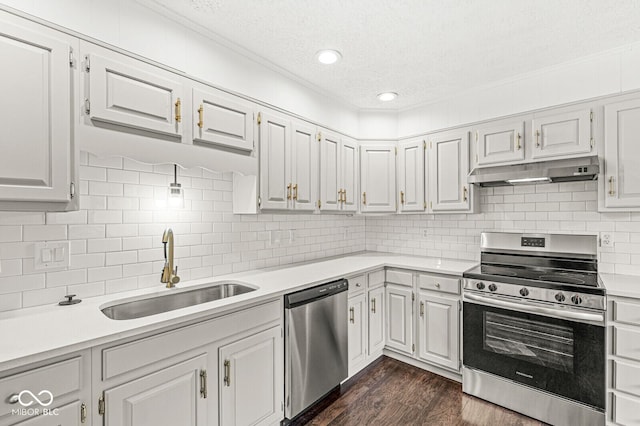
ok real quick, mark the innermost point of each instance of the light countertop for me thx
(621, 285)
(33, 334)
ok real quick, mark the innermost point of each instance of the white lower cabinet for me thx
(438, 325)
(399, 306)
(252, 378)
(357, 331)
(67, 415)
(376, 320)
(426, 329)
(174, 395)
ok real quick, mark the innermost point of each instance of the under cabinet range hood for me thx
(567, 170)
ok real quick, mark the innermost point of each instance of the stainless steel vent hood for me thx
(569, 170)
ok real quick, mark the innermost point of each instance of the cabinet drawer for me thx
(137, 354)
(626, 377)
(376, 279)
(357, 284)
(626, 343)
(626, 411)
(61, 378)
(625, 312)
(400, 277)
(439, 283)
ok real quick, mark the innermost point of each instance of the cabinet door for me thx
(562, 134)
(221, 121)
(411, 175)
(275, 162)
(329, 171)
(252, 380)
(67, 415)
(376, 320)
(448, 168)
(438, 330)
(304, 166)
(357, 348)
(35, 153)
(399, 308)
(378, 178)
(349, 175)
(621, 154)
(500, 143)
(139, 96)
(172, 396)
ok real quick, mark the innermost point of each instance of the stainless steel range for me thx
(533, 327)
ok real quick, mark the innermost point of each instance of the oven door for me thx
(545, 347)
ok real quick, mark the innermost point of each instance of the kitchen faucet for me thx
(169, 274)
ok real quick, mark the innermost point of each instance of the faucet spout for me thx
(169, 273)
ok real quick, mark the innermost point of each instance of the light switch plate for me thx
(51, 255)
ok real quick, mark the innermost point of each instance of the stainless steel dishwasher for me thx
(315, 344)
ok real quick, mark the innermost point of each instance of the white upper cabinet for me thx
(561, 133)
(221, 119)
(349, 174)
(411, 157)
(338, 173)
(378, 178)
(500, 143)
(134, 94)
(304, 166)
(448, 154)
(275, 162)
(36, 142)
(621, 153)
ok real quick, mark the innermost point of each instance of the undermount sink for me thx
(171, 301)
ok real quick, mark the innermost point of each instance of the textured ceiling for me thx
(423, 49)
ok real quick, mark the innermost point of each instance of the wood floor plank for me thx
(390, 392)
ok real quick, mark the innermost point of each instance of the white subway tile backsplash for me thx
(83, 232)
(44, 232)
(9, 234)
(43, 297)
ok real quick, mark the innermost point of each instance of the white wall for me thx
(606, 73)
(548, 208)
(377, 124)
(140, 30)
(116, 236)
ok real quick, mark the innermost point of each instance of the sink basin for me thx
(171, 301)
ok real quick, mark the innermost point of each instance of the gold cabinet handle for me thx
(352, 315)
(364, 198)
(611, 190)
(83, 413)
(178, 111)
(227, 372)
(344, 195)
(373, 305)
(518, 146)
(289, 192)
(437, 285)
(201, 116)
(203, 382)
(422, 309)
(537, 137)
(464, 193)
(295, 191)
(339, 195)
(401, 197)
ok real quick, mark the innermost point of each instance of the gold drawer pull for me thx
(178, 111)
(201, 116)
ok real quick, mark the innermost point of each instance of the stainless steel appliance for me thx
(533, 327)
(315, 344)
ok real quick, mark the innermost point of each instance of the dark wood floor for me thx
(390, 392)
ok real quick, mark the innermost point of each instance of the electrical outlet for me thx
(425, 233)
(606, 240)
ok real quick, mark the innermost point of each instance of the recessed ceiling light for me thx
(328, 57)
(387, 96)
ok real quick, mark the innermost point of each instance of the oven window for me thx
(535, 342)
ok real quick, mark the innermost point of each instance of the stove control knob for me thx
(560, 297)
(576, 300)
(480, 285)
(524, 292)
(493, 287)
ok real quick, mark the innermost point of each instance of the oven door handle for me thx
(592, 318)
